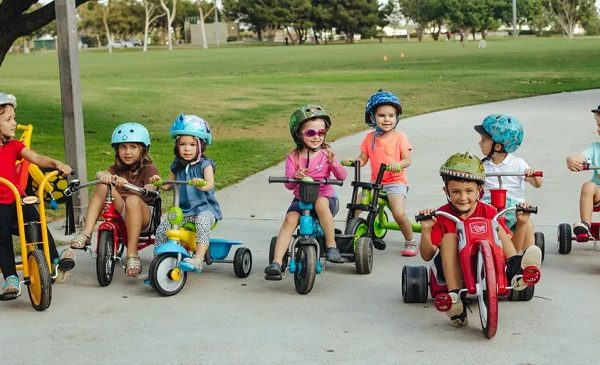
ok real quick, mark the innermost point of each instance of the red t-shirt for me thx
(9, 154)
(444, 225)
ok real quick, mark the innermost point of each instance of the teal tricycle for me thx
(168, 272)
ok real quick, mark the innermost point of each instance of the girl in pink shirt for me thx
(389, 146)
(312, 157)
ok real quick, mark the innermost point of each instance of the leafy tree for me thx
(591, 22)
(260, 14)
(425, 13)
(567, 13)
(322, 18)
(19, 18)
(352, 16)
(170, 8)
(476, 15)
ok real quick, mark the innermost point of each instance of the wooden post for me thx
(70, 92)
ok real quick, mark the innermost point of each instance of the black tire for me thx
(272, 254)
(105, 263)
(358, 228)
(306, 268)
(363, 255)
(564, 238)
(524, 295)
(165, 277)
(488, 298)
(414, 284)
(40, 286)
(242, 262)
(540, 242)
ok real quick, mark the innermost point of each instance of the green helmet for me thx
(464, 166)
(304, 113)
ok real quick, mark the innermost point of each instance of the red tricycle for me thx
(482, 264)
(112, 233)
(565, 235)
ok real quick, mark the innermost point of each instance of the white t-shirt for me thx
(514, 184)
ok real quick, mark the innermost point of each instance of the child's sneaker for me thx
(10, 289)
(515, 265)
(333, 255)
(273, 270)
(410, 248)
(458, 311)
(581, 228)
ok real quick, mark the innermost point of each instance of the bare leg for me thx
(326, 221)
(450, 262)
(284, 237)
(397, 207)
(137, 215)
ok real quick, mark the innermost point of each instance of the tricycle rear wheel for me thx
(540, 242)
(242, 262)
(564, 238)
(414, 284)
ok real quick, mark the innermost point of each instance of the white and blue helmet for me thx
(130, 132)
(191, 125)
(8, 99)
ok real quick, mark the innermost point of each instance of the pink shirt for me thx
(318, 168)
(386, 150)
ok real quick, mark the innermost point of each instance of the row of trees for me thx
(484, 15)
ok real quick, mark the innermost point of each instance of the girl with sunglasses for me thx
(312, 157)
(387, 145)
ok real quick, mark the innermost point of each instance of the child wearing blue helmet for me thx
(192, 134)
(133, 165)
(590, 190)
(501, 135)
(385, 144)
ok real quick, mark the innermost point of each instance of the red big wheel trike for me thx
(112, 233)
(565, 235)
(483, 269)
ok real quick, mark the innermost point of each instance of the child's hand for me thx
(394, 167)
(154, 178)
(119, 181)
(522, 217)
(300, 173)
(427, 223)
(574, 165)
(198, 183)
(104, 177)
(529, 172)
(347, 162)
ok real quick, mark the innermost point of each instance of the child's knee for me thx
(589, 188)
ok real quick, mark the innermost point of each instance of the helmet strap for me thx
(489, 155)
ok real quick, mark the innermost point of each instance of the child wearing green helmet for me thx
(464, 175)
(590, 190)
(314, 158)
(133, 165)
(385, 144)
(12, 150)
(501, 135)
(199, 204)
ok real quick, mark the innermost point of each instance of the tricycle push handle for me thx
(289, 180)
(537, 173)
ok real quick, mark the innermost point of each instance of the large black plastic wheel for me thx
(540, 242)
(363, 255)
(564, 238)
(242, 262)
(358, 228)
(105, 263)
(272, 254)
(414, 284)
(306, 268)
(487, 295)
(165, 276)
(524, 295)
(40, 285)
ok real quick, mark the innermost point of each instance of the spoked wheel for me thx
(414, 284)
(487, 291)
(165, 276)
(564, 238)
(40, 286)
(242, 262)
(381, 220)
(363, 255)
(105, 263)
(541, 243)
(306, 268)
(272, 254)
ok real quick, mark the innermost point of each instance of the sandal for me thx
(195, 262)
(80, 241)
(133, 266)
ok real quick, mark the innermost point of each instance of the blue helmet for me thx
(8, 99)
(191, 125)
(381, 97)
(503, 129)
(130, 132)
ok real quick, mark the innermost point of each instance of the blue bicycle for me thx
(303, 258)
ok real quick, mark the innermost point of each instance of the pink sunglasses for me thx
(315, 132)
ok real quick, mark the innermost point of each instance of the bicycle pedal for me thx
(273, 277)
(379, 244)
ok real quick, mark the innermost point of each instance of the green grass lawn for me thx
(248, 94)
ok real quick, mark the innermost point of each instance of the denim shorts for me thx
(334, 206)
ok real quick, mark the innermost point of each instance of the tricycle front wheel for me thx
(165, 276)
(40, 285)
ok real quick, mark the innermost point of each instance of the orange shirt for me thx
(386, 150)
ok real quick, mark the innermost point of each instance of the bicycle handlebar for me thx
(76, 185)
(588, 166)
(290, 180)
(160, 182)
(537, 173)
(422, 217)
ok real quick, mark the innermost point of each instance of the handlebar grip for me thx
(198, 184)
(424, 217)
(348, 163)
(334, 182)
(536, 174)
(273, 179)
(531, 210)
(158, 183)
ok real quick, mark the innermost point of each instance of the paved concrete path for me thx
(347, 318)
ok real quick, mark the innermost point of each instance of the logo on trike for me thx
(478, 228)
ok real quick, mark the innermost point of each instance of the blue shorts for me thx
(334, 206)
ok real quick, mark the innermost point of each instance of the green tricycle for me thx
(374, 201)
